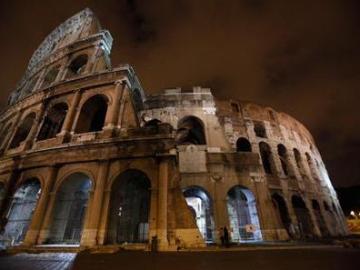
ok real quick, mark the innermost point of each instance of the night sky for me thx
(298, 56)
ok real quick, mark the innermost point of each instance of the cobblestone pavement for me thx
(43, 261)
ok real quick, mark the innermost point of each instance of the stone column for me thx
(316, 229)
(13, 130)
(123, 102)
(220, 207)
(38, 216)
(34, 129)
(92, 60)
(5, 136)
(341, 218)
(153, 212)
(9, 191)
(69, 119)
(276, 163)
(162, 203)
(293, 164)
(46, 225)
(87, 217)
(292, 214)
(113, 112)
(90, 231)
(101, 236)
(266, 212)
(62, 70)
(327, 218)
(40, 80)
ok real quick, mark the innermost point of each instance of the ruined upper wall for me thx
(256, 112)
(61, 42)
(224, 122)
(81, 25)
(234, 109)
(179, 98)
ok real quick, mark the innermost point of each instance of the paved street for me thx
(304, 259)
(43, 261)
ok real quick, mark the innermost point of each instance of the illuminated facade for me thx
(89, 160)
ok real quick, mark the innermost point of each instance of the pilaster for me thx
(91, 227)
(162, 203)
(113, 112)
(266, 212)
(101, 234)
(38, 216)
(46, 224)
(69, 119)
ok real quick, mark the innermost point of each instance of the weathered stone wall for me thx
(226, 121)
(130, 138)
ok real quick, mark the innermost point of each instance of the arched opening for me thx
(129, 208)
(326, 207)
(22, 207)
(137, 99)
(235, 107)
(92, 115)
(259, 129)
(311, 165)
(283, 213)
(283, 158)
(23, 130)
(243, 217)
(50, 76)
(243, 145)
(319, 218)
(298, 160)
(70, 209)
(30, 86)
(266, 158)
(302, 215)
(77, 66)
(152, 125)
(190, 131)
(201, 205)
(53, 121)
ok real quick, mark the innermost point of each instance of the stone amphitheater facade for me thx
(89, 160)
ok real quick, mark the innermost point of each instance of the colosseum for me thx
(89, 160)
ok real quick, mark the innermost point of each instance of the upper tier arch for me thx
(80, 28)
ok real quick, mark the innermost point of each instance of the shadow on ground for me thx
(304, 259)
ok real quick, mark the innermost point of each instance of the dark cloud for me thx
(137, 22)
(301, 57)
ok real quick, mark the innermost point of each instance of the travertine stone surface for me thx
(146, 133)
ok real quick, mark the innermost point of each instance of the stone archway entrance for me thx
(190, 130)
(129, 208)
(92, 115)
(302, 215)
(282, 210)
(70, 209)
(243, 217)
(200, 204)
(21, 209)
(319, 218)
